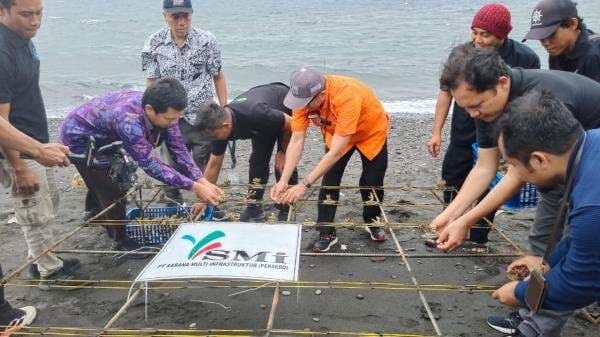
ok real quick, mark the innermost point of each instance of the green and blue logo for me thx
(204, 245)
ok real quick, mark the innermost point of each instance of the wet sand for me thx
(399, 311)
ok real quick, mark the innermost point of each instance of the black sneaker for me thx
(128, 246)
(377, 233)
(67, 277)
(325, 242)
(219, 214)
(18, 317)
(507, 325)
(253, 213)
(33, 272)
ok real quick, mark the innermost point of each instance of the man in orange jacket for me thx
(351, 118)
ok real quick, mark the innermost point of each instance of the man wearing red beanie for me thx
(490, 28)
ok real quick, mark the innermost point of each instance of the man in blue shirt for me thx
(540, 138)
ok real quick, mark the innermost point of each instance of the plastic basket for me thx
(148, 234)
(528, 198)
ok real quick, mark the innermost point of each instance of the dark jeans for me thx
(258, 171)
(457, 164)
(198, 146)
(102, 192)
(373, 173)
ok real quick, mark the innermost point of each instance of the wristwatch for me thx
(306, 183)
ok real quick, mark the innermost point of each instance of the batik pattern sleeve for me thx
(180, 154)
(149, 61)
(132, 133)
(7, 77)
(574, 281)
(214, 63)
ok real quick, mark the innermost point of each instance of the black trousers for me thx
(102, 192)
(457, 164)
(373, 174)
(260, 158)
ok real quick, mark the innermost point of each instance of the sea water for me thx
(89, 47)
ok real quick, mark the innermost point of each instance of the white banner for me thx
(228, 250)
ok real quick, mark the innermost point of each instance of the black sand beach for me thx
(458, 313)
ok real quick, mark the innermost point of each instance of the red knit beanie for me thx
(495, 18)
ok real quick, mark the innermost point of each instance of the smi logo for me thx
(204, 245)
(208, 249)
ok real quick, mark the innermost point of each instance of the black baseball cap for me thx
(178, 6)
(547, 16)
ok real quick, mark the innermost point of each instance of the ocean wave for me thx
(416, 106)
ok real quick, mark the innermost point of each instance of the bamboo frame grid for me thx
(269, 330)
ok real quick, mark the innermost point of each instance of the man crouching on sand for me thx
(350, 118)
(142, 121)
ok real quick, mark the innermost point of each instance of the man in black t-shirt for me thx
(489, 29)
(259, 115)
(561, 31)
(47, 155)
(33, 191)
(483, 84)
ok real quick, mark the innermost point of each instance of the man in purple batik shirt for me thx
(142, 122)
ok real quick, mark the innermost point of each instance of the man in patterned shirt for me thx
(192, 56)
(141, 121)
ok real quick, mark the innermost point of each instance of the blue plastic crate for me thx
(153, 234)
(528, 198)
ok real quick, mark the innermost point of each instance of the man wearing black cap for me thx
(193, 57)
(571, 46)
